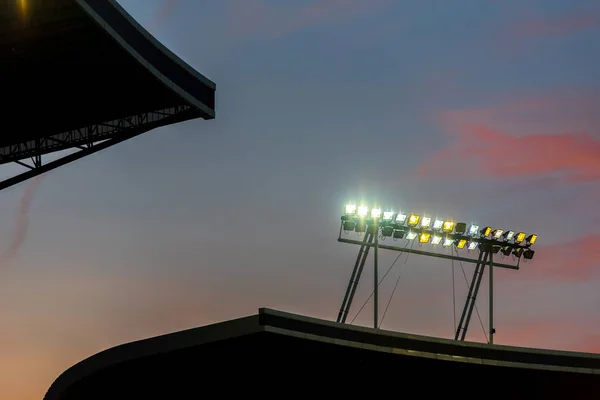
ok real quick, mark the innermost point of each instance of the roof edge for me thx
(266, 312)
(152, 346)
(162, 47)
(89, 10)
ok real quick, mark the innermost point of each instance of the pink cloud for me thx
(162, 13)
(563, 25)
(543, 136)
(572, 261)
(479, 150)
(259, 17)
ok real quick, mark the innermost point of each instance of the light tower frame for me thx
(487, 247)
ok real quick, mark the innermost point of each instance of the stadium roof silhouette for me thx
(84, 75)
(277, 354)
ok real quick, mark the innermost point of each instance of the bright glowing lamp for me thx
(363, 211)
(413, 220)
(448, 226)
(376, 213)
(411, 235)
(473, 230)
(472, 245)
(436, 240)
(350, 209)
(438, 225)
(519, 237)
(388, 216)
(426, 222)
(424, 237)
(460, 244)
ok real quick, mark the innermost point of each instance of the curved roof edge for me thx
(150, 347)
(314, 329)
(167, 67)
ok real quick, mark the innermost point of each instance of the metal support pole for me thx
(474, 297)
(363, 249)
(469, 296)
(376, 279)
(492, 330)
(354, 283)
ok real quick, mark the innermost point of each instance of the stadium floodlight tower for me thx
(378, 225)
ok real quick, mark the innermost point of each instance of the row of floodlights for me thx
(392, 225)
(398, 220)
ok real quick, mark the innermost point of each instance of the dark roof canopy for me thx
(75, 72)
(277, 354)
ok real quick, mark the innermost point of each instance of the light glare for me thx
(376, 213)
(473, 229)
(438, 224)
(350, 209)
(363, 211)
(426, 222)
(413, 220)
(448, 226)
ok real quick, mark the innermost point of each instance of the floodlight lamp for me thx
(461, 243)
(398, 234)
(438, 224)
(424, 237)
(436, 240)
(485, 232)
(448, 226)
(508, 235)
(528, 254)
(497, 234)
(460, 228)
(447, 242)
(519, 237)
(360, 227)
(413, 220)
(387, 231)
(411, 235)
(363, 211)
(473, 229)
(350, 209)
(506, 250)
(400, 219)
(530, 240)
(426, 222)
(349, 226)
(518, 252)
(472, 245)
(376, 213)
(388, 216)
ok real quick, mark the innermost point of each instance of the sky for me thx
(481, 111)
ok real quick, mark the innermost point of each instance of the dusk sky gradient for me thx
(483, 111)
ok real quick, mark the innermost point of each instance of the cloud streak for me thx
(261, 18)
(480, 151)
(22, 224)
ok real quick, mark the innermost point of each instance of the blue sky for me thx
(422, 105)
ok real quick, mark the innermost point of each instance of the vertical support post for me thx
(491, 317)
(345, 304)
(376, 277)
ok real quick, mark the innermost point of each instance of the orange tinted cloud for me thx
(479, 150)
(563, 25)
(576, 260)
(548, 135)
(259, 17)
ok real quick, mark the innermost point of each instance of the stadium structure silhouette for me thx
(96, 78)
